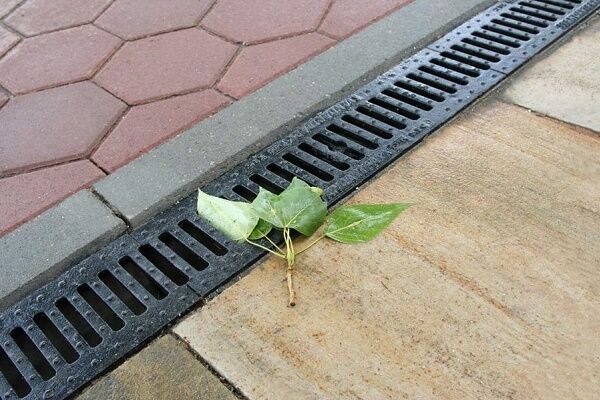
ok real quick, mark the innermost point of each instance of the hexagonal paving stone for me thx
(24, 196)
(166, 64)
(259, 64)
(54, 125)
(252, 21)
(148, 125)
(7, 40)
(151, 17)
(348, 16)
(56, 58)
(38, 16)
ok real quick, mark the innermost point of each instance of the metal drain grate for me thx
(66, 333)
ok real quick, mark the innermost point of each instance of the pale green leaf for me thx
(235, 219)
(261, 230)
(299, 207)
(361, 223)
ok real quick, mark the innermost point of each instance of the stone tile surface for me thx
(7, 5)
(132, 19)
(164, 370)
(7, 40)
(147, 125)
(485, 288)
(251, 21)
(348, 16)
(56, 58)
(54, 125)
(3, 98)
(257, 65)
(24, 196)
(43, 247)
(565, 84)
(38, 16)
(164, 65)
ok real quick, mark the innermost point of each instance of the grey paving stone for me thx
(565, 85)
(164, 370)
(42, 248)
(154, 181)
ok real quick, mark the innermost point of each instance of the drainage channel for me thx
(69, 331)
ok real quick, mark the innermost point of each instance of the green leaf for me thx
(299, 207)
(261, 230)
(235, 219)
(363, 222)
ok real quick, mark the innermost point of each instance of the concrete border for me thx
(43, 247)
(156, 180)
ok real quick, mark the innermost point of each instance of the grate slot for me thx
(534, 14)
(351, 134)
(182, 251)
(328, 158)
(476, 52)
(419, 90)
(447, 75)
(13, 375)
(143, 278)
(498, 38)
(115, 286)
(487, 46)
(280, 172)
(557, 3)
(244, 193)
(60, 342)
(517, 26)
(526, 20)
(201, 237)
(408, 98)
(266, 184)
(543, 7)
(378, 113)
(100, 307)
(33, 353)
(340, 146)
(357, 122)
(81, 325)
(305, 166)
(506, 32)
(432, 83)
(396, 106)
(164, 265)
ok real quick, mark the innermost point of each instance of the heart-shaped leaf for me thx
(261, 230)
(299, 207)
(235, 219)
(361, 223)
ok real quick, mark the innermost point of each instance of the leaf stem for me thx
(265, 248)
(311, 244)
(274, 244)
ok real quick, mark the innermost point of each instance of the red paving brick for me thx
(166, 71)
(147, 125)
(54, 125)
(151, 16)
(38, 16)
(27, 195)
(164, 65)
(259, 64)
(56, 58)
(7, 40)
(348, 16)
(251, 21)
(7, 5)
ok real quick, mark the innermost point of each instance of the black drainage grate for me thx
(66, 333)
